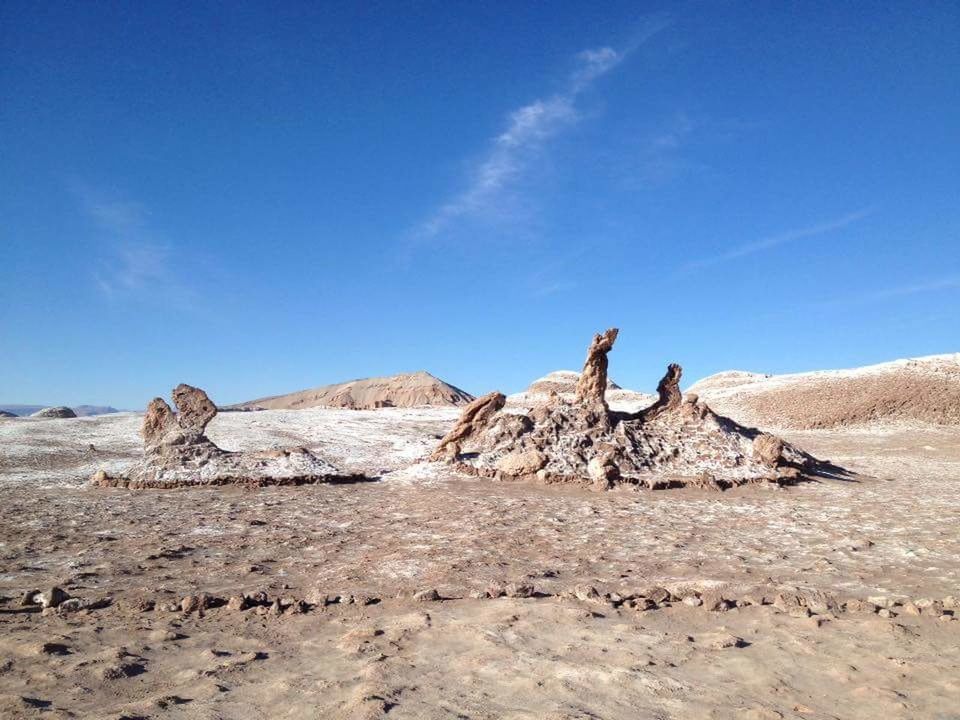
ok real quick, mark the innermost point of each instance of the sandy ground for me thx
(420, 527)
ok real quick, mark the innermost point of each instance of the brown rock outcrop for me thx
(672, 443)
(668, 392)
(158, 419)
(194, 409)
(768, 449)
(474, 418)
(177, 453)
(592, 384)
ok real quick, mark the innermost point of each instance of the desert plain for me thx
(421, 591)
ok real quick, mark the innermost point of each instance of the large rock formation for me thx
(177, 453)
(55, 412)
(672, 443)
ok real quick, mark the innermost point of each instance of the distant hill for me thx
(564, 384)
(409, 390)
(80, 410)
(89, 410)
(917, 390)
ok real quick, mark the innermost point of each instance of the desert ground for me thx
(828, 599)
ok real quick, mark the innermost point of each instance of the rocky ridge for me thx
(920, 390)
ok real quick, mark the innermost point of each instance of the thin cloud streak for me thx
(134, 262)
(528, 129)
(950, 282)
(780, 239)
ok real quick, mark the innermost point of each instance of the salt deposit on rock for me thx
(178, 453)
(55, 412)
(409, 390)
(674, 442)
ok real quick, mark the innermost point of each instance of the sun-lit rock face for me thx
(675, 441)
(177, 453)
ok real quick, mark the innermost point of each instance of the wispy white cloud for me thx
(134, 266)
(783, 238)
(553, 274)
(132, 259)
(511, 153)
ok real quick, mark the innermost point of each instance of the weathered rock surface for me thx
(177, 453)
(592, 385)
(675, 442)
(55, 412)
(668, 393)
(475, 418)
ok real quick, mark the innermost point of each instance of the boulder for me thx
(520, 463)
(768, 449)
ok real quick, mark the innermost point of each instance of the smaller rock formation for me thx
(668, 392)
(55, 412)
(474, 418)
(5, 414)
(177, 453)
(592, 385)
(768, 449)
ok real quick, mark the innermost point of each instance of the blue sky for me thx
(257, 199)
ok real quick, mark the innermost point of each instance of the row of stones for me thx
(797, 603)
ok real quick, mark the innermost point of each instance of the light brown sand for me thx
(420, 527)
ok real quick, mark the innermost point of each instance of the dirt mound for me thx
(410, 390)
(674, 442)
(921, 390)
(177, 453)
